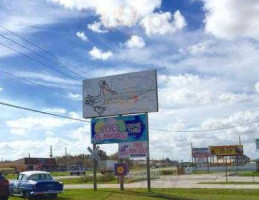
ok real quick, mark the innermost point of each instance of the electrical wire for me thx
(32, 82)
(39, 62)
(42, 112)
(44, 50)
(41, 56)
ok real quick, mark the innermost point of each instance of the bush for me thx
(106, 177)
(167, 172)
(85, 179)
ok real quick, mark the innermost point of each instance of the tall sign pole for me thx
(95, 170)
(148, 158)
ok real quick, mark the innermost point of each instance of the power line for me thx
(44, 50)
(35, 60)
(41, 112)
(34, 52)
(32, 82)
(206, 130)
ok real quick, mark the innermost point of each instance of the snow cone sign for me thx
(119, 129)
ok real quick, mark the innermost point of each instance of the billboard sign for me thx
(257, 144)
(231, 150)
(121, 129)
(201, 160)
(133, 149)
(120, 94)
(200, 152)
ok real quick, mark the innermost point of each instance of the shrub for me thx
(167, 172)
(106, 177)
(85, 179)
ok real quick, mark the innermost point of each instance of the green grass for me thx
(72, 181)
(248, 173)
(164, 194)
(231, 183)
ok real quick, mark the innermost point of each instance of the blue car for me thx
(35, 183)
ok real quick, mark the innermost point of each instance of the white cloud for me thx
(232, 18)
(76, 97)
(135, 42)
(199, 47)
(32, 123)
(56, 110)
(162, 23)
(82, 36)
(114, 13)
(1, 89)
(96, 27)
(99, 54)
(257, 87)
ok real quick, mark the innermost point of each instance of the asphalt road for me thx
(182, 181)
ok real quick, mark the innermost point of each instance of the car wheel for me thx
(53, 196)
(78, 173)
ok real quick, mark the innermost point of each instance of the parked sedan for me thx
(4, 188)
(35, 183)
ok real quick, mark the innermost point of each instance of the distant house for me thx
(46, 164)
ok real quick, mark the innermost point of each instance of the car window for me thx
(22, 177)
(36, 177)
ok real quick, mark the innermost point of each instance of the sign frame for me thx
(98, 102)
(119, 129)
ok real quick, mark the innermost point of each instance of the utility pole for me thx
(66, 158)
(50, 154)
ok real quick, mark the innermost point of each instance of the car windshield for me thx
(36, 177)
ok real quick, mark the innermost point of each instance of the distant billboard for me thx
(132, 128)
(133, 149)
(231, 150)
(200, 152)
(201, 160)
(257, 144)
(129, 93)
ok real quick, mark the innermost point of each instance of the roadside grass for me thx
(231, 183)
(165, 194)
(250, 173)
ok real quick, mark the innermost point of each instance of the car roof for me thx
(29, 173)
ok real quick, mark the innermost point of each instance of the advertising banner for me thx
(201, 160)
(132, 149)
(120, 94)
(231, 150)
(257, 144)
(121, 129)
(200, 152)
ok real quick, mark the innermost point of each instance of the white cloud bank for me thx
(163, 23)
(114, 13)
(82, 36)
(135, 42)
(232, 18)
(96, 53)
(96, 27)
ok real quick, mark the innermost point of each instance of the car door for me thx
(18, 185)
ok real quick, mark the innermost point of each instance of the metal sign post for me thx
(148, 161)
(121, 178)
(95, 170)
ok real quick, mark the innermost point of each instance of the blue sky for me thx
(206, 54)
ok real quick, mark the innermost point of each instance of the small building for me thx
(46, 164)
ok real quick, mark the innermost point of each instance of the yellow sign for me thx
(231, 150)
